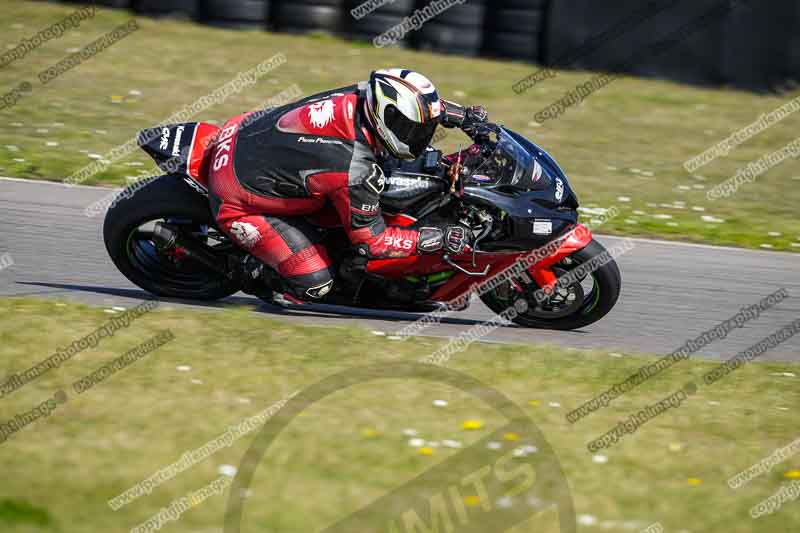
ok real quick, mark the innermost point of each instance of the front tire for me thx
(131, 248)
(590, 306)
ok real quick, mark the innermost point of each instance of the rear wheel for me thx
(128, 234)
(577, 305)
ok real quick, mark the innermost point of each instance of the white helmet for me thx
(404, 108)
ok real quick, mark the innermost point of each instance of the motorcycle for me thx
(509, 192)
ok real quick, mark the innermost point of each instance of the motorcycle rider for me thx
(271, 171)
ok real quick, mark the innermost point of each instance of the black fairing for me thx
(539, 203)
(515, 177)
(406, 191)
(169, 145)
(411, 185)
(526, 210)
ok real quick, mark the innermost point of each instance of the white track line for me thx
(59, 184)
(694, 245)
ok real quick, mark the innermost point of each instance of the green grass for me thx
(348, 449)
(628, 140)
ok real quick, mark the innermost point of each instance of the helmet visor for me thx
(417, 136)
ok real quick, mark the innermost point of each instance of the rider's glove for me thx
(469, 119)
(476, 116)
(453, 114)
(451, 239)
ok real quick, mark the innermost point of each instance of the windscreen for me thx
(510, 164)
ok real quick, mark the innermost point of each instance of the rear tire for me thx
(166, 197)
(606, 288)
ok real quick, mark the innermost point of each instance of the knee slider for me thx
(314, 286)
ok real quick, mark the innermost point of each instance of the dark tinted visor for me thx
(417, 136)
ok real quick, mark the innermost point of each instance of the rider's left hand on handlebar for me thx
(475, 118)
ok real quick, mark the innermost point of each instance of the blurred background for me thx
(749, 44)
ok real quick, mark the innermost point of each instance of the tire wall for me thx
(515, 29)
(161, 8)
(762, 49)
(705, 42)
(459, 30)
(302, 16)
(236, 13)
(363, 26)
(755, 46)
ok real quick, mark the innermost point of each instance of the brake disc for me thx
(561, 302)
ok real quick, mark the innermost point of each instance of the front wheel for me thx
(577, 305)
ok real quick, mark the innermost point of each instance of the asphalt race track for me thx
(671, 292)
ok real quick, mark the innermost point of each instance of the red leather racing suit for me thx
(270, 169)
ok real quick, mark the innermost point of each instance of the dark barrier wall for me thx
(299, 16)
(459, 30)
(751, 44)
(794, 56)
(515, 29)
(762, 45)
(156, 8)
(235, 13)
(745, 43)
(367, 27)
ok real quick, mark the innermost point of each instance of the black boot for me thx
(254, 278)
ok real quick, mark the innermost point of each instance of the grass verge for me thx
(350, 448)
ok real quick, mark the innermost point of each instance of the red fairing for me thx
(415, 265)
(402, 221)
(461, 284)
(541, 272)
(577, 240)
(200, 154)
(327, 118)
